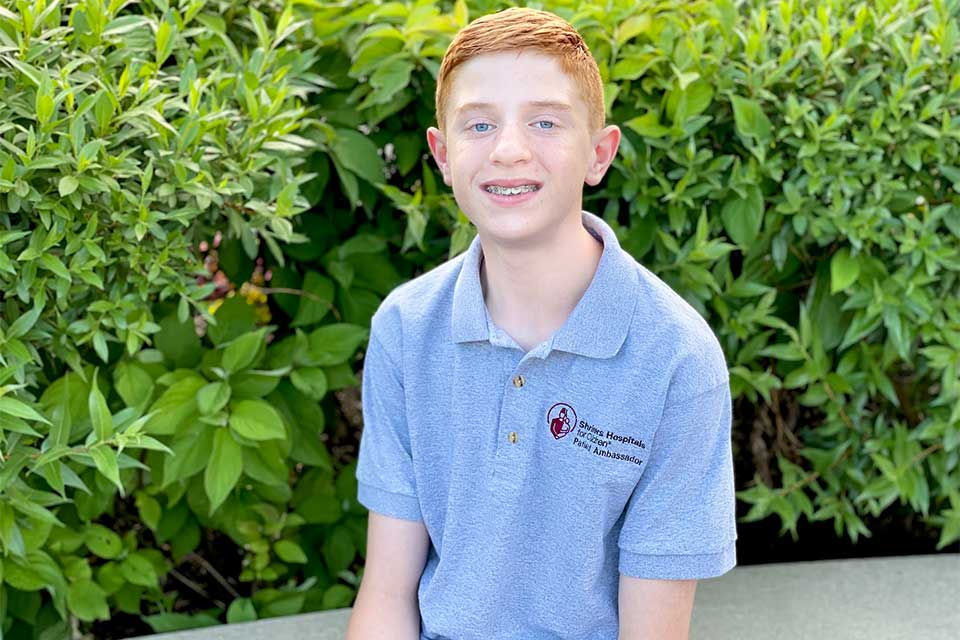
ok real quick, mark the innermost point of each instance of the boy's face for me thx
(515, 119)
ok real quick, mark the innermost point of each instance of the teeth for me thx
(511, 191)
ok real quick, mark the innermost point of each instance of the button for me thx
(518, 381)
(512, 437)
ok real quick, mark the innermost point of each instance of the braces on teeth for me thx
(511, 191)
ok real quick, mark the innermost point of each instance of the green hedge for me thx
(790, 168)
(129, 134)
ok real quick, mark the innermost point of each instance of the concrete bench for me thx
(870, 599)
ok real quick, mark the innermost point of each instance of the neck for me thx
(530, 290)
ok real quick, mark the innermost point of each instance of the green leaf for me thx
(109, 577)
(10, 533)
(34, 511)
(284, 604)
(100, 346)
(88, 601)
(16, 425)
(234, 318)
(99, 413)
(260, 28)
(289, 551)
(178, 341)
(223, 469)
(133, 384)
(14, 407)
(256, 420)
(166, 622)
(125, 24)
(176, 407)
(67, 185)
(102, 541)
(136, 568)
(374, 272)
(388, 79)
(25, 322)
(149, 509)
(648, 125)
(348, 181)
(894, 325)
(862, 325)
(141, 441)
(340, 376)
(23, 575)
(951, 530)
(173, 518)
(338, 550)
(311, 310)
(253, 384)
(358, 154)
(338, 596)
(213, 397)
(461, 13)
(241, 610)
(53, 264)
(284, 204)
(346, 483)
(241, 352)
(743, 217)
(186, 540)
(332, 344)
(266, 463)
(844, 270)
(632, 67)
(632, 27)
(750, 119)
(407, 147)
(311, 381)
(106, 460)
(75, 569)
(164, 42)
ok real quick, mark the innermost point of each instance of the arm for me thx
(386, 607)
(655, 609)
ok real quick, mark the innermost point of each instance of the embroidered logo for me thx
(604, 443)
(562, 419)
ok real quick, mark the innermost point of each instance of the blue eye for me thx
(550, 125)
(480, 124)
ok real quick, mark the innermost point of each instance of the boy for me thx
(546, 451)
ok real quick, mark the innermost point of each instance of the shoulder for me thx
(416, 304)
(672, 333)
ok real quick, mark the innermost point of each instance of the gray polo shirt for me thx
(541, 476)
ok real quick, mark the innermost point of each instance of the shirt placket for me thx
(516, 420)
(513, 433)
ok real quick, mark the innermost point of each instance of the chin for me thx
(511, 226)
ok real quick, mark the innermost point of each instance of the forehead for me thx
(512, 78)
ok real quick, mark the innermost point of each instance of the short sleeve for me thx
(680, 521)
(385, 479)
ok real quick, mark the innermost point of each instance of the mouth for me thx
(511, 191)
(511, 188)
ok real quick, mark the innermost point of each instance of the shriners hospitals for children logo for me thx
(562, 419)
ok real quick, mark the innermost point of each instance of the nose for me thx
(511, 146)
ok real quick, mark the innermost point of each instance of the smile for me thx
(511, 191)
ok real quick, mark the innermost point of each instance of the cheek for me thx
(569, 160)
(464, 161)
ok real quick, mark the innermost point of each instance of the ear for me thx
(438, 148)
(605, 143)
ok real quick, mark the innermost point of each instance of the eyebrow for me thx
(540, 104)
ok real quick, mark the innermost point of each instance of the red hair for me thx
(517, 29)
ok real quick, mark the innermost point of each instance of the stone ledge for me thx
(857, 599)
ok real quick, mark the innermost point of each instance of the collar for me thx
(597, 326)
